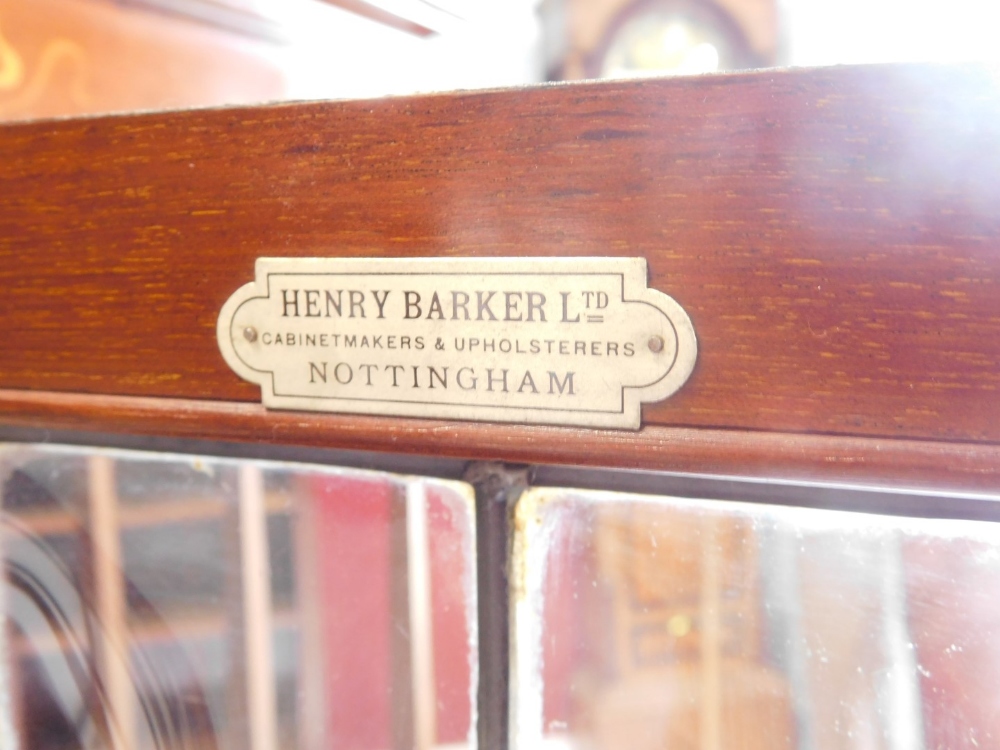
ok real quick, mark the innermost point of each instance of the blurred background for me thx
(71, 57)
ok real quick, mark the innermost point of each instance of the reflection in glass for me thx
(654, 622)
(156, 601)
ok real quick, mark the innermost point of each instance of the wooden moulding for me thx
(832, 233)
(911, 464)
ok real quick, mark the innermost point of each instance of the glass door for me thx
(171, 601)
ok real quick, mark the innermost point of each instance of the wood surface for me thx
(914, 464)
(65, 57)
(832, 233)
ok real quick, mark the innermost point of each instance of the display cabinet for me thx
(796, 549)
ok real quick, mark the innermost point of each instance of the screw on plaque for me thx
(655, 344)
(250, 334)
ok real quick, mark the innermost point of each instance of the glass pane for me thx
(166, 601)
(657, 622)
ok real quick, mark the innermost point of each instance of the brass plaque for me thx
(566, 341)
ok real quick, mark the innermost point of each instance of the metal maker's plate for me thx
(569, 341)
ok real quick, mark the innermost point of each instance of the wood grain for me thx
(64, 57)
(902, 464)
(832, 233)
